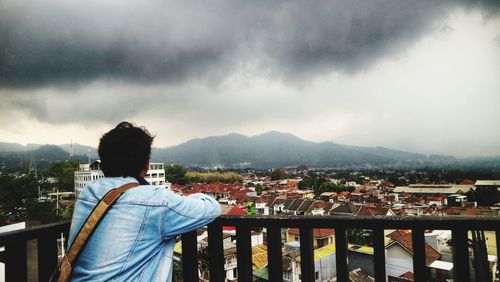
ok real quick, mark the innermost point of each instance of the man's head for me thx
(125, 150)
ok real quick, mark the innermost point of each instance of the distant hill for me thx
(82, 150)
(50, 153)
(275, 149)
(271, 149)
(16, 147)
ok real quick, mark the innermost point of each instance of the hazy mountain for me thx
(16, 147)
(275, 149)
(50, 153)
(271, 149)
(82, 150)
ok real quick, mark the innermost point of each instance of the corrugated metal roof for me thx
(259, 257)
(488, 183)
(434, 189)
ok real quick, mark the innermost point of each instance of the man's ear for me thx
(145, 169)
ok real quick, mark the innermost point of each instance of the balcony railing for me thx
(15, 254)
(16, 262)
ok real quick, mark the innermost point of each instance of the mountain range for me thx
(271, 149)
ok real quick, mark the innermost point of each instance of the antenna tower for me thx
(32, 168)
(71, 150)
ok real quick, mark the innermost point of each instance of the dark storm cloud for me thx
(66, 42)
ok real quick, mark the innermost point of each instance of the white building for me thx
(90, 172)
(85, 174)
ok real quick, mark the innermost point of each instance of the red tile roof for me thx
(406, 242)
(467, 182)
(370, 211)
(317, 232)
(396, 234)
(408, 275)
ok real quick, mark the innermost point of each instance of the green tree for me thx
(279, 173)
(176, 174)
(312, 181)
(481, 264)
(328, 186)
(64, 172)
(15, 192)
(18, 196)
(484, 197)
(259, 189)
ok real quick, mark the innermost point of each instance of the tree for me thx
(328, 186)
(15, 192)
(18, 196)
(259, 189)
(64, 172)
(360, 236)
(176, 174)
(312, 181)
(483, 196)
(481, 264)
(279, 173)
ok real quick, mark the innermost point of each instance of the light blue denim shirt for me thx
(135, 240)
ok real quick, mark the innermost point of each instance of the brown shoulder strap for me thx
(94, 219)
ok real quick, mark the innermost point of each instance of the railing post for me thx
(244, 253)
(47, 255)
(341, 254)
(216, 252)
(189, 256)
(274, 256)
(497, 236)
(16, 261)
(306, 254)
(379, 255)
(460, 255)
(419, 267)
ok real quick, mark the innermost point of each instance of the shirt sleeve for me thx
(183, 214)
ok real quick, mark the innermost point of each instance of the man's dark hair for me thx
(125, 150)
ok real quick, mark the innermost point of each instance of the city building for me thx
(90, 172)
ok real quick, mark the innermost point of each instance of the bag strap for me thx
(93, 221)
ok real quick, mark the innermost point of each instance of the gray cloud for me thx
(66, 42)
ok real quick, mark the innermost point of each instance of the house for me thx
(328, 196)
(346, 208)
(324, 265)
(320, 208)
(437, 199)
(399, 253)
(321, 236)
(262, 205)
(375, 210)
(277, 206)
(231, 210)
(304, 208)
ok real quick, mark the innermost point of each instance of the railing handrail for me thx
(16, 261)
(351, 221)
(35, 232)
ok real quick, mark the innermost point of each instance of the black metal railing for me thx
(273, 224)
(16, 262)
(15, 255)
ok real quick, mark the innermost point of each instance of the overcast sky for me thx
(421, 76)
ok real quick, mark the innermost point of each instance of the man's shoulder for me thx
(95, 190)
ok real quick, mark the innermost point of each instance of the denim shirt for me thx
(135, 240)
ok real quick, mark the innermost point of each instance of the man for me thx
(135, 240)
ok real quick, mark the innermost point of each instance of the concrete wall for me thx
(361, 260)
(398, 261)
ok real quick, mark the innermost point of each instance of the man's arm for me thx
(183, 214)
